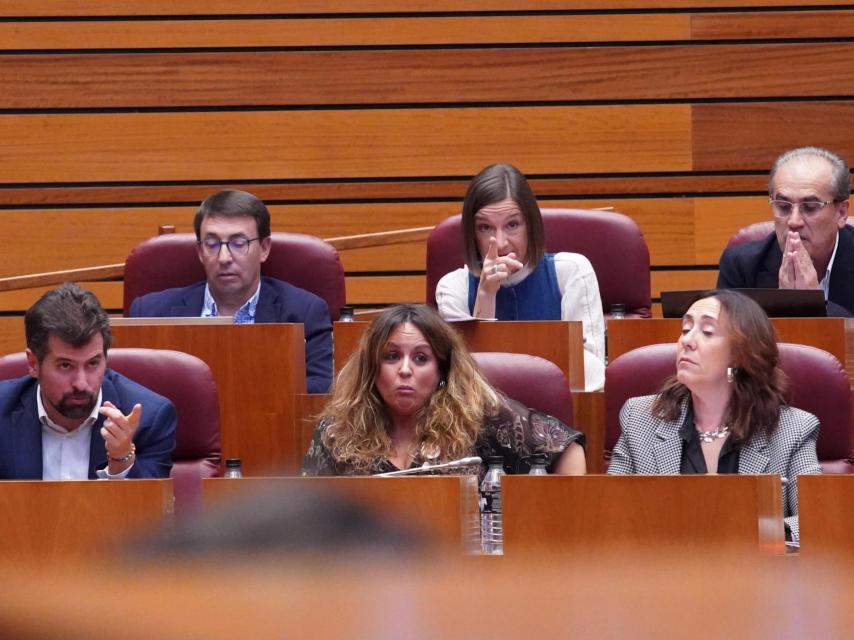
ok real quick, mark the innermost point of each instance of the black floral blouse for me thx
(514, 433)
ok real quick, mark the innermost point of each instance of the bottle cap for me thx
(493, 460)
(538, 458)
(345, 312)
(232, 463)
(618, 307)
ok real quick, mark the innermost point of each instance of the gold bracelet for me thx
(126, 458)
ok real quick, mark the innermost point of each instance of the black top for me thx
(693, 461)
(514, 433)
(757, 264)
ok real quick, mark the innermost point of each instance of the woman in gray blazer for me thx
(725, 409)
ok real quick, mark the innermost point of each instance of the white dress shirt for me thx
(65, 454)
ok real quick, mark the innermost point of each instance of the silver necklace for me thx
(711, 436)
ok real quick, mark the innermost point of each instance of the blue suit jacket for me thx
(21, 431)
(277, 302)
(757, 264)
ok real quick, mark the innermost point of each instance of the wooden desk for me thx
(694, 515)
(49, 521)
(258, 370)
(558, 341)
(643, 596)
(826, 512)
(442, 507)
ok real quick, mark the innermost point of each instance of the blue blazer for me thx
(21, 431)
(277, 302)
(757, 264)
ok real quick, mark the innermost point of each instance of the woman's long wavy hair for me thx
(448, 424)
(759, 386)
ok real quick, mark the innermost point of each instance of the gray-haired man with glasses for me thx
(233, 233)
(812, 247)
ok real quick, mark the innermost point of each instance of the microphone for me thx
(427, 467)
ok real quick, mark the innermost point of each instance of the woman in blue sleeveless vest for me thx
(508, 275)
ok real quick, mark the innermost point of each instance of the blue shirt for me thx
(244, 315)
(537, 297)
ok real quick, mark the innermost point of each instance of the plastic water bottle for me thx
(232, 468)
(618, 312)
(538, 465)
(345, 314)
(491, 520)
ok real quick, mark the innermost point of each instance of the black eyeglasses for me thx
(784, 208)
(237, 246)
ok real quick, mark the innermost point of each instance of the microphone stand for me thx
(427, 468)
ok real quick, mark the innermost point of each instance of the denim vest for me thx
(537, 297)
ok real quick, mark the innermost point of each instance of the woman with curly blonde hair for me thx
(411, 394)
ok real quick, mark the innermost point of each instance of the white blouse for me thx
(579, 301)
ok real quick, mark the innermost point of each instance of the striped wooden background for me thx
(367, 115)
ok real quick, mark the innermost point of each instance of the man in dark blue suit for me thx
(812, 247)
(233, 231)
(73, 418)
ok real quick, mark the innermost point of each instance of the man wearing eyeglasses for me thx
(812, 247)
(233, 231)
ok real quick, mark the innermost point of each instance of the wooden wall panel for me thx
(325, 32)
(421, 30)
(369, 115)
(109, 293)
(434, 76)
(773, 25)
(732, 137)
(716, 219)
(678, 231)
(250, 7)
(349, 143)
(402, 190)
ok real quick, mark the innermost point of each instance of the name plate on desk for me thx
(48, 521)
(442, 508)
(826, 513)
(683, 515)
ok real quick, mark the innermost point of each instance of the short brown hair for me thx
(495, 183)
(759, 387)
(71, 313)
(232, 203)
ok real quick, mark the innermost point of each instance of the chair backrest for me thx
(755, 231)
(171, 260)
(535, 382)
(758, 231)
(819, 385)
(611, 241)
(188, 382)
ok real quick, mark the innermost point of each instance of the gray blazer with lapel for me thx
(652, 446)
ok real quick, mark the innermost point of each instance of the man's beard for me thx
(76, 410)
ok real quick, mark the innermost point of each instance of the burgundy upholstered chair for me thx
(611, 241)
(819, 385)
(535, 382)
(188, 382)
(171, 260)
